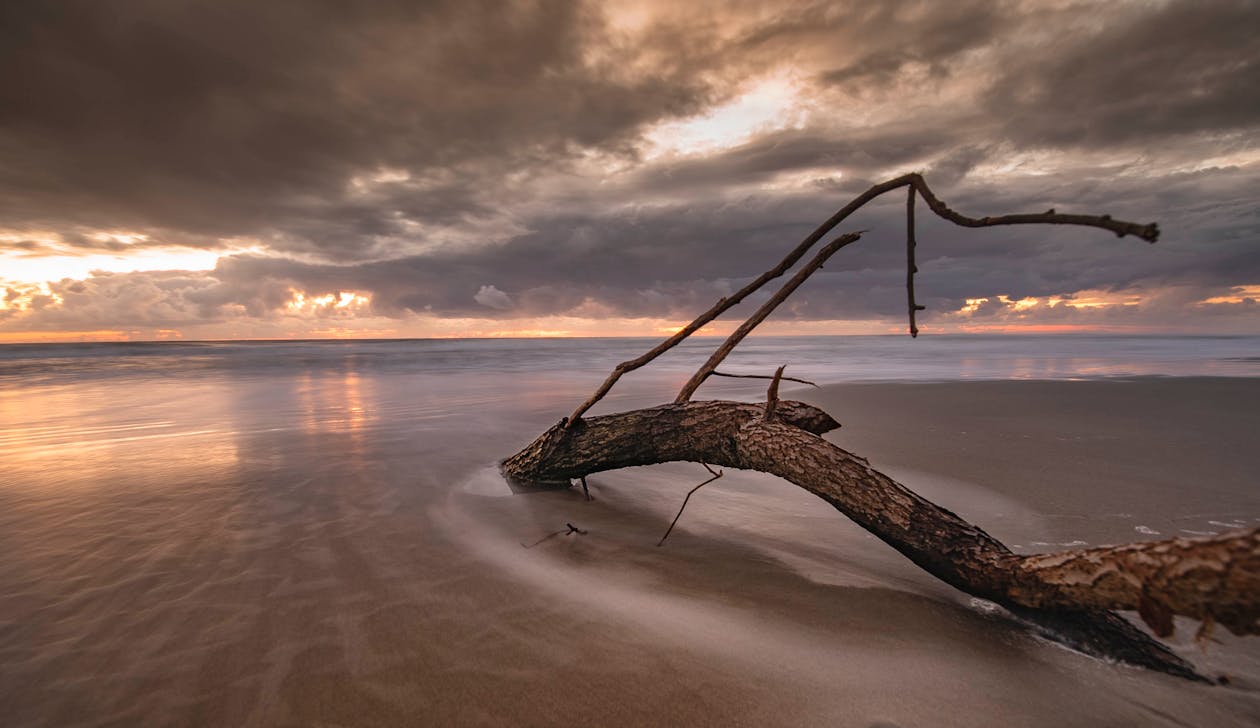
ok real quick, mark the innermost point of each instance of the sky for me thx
(234, 169)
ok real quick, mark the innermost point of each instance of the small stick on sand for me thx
(562, 532)
(716, 474)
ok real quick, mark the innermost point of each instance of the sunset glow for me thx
(340, 303)
(615, 168)
(1239, 294)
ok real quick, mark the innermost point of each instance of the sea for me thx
(827, 359)
(77, 395)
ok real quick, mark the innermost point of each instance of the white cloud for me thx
(492, 297)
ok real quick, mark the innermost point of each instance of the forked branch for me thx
(1148, 232)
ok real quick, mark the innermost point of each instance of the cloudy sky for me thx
(225, 169)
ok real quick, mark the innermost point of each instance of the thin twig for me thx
(760, 315)
(716, 475)
(762, 376)
(586, 491)
(772, 395)
(1149, 233)
(570, 528)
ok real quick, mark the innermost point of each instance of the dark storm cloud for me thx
(489, 160)
(1190, 67)
(233, 118)
(894, 36)
(647, 262)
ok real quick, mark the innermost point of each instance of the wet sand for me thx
(342, 552)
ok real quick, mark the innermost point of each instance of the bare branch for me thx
(762, 376)
(1149, 233)
(911, 268)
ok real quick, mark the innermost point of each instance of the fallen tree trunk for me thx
(1211, 579)
(1068, 595)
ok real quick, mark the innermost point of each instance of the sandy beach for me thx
(344, 553)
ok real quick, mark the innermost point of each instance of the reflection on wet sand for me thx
(336, 404)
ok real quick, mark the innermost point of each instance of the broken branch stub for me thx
(772, 394)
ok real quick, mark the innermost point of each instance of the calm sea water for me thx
(820, 358)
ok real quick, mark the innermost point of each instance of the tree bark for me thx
(1067, 594)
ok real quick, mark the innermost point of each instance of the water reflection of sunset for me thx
(84, 437)
(336, 403)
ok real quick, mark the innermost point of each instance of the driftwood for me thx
(1068, 595)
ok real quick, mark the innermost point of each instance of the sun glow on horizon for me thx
(342, 302)
(1237, 294)
(1089, 299)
